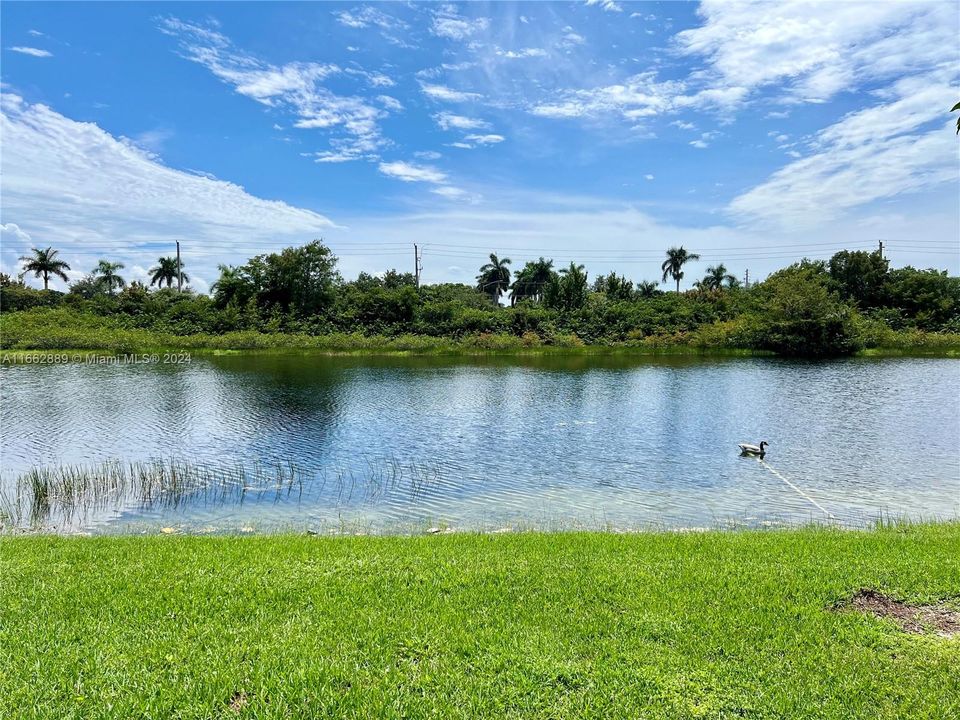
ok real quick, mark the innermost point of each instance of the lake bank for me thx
(672, 625)
(58, 329)
(93, 348)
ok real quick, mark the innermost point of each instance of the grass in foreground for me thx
(534, 625)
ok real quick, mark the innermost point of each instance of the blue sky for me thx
(752, 132)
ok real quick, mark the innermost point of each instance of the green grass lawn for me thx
(713, 625)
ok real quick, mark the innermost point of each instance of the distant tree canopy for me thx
(672, 267)
(106, 275)
(809, 308)
(614, 287)
(567, 290)
(530, 283)
(802, 316)
(494, 278)
(167, 270)
(44, 263)
(298, 280)
(859, 276)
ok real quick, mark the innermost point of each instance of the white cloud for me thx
(441, 92)
(35, 52)
(448, 23)
(414, 173)
(409, 172)
(607, 5)
(153, 140)
(74, 186)
(648, 176)
(366, 16)
(450, 121)
(449, 191)
(818, 49)
(637, 97)
(485, 139)
(391, 103)
(335, 156)
(461, 145)
(378, 79)
(901, 146)
(391, 28)
(794, 50)
(296, 87)
(11, 232)
(522, 53)
(428, 155)
(571, 38)
(704, 140)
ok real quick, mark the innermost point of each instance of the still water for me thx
(400, 445)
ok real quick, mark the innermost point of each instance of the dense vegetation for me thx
(662, 625)
(852, 302)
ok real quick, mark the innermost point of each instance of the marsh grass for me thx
(66, 497)
(63, 497)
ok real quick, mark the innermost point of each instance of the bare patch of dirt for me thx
(238, 701)
(917, 619)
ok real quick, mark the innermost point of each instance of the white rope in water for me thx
(820, 507)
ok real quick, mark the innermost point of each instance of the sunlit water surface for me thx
(400, 445)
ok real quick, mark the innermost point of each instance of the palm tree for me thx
(494, 278)
(647, 288)
(106, 272)
(166, 270)
(673, 265)
(531, 282)
(45, 263)
(615, 287)
(716, 276)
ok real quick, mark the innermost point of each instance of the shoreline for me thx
(448, 349)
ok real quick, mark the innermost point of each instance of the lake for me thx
(406, 444)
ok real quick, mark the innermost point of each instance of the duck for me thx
(748, 449)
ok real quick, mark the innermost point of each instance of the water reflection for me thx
(538, 441)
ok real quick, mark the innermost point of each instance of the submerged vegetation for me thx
(296, 299)
(759, 624)
(65, 498)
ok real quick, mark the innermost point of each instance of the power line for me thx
(158, 245)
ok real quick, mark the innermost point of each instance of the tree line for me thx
(536, 281)
(809, 307)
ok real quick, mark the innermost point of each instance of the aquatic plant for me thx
(66, 497)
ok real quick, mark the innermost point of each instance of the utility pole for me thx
(746, 279)
(179, 270)
(881, 249)
(417, 264)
